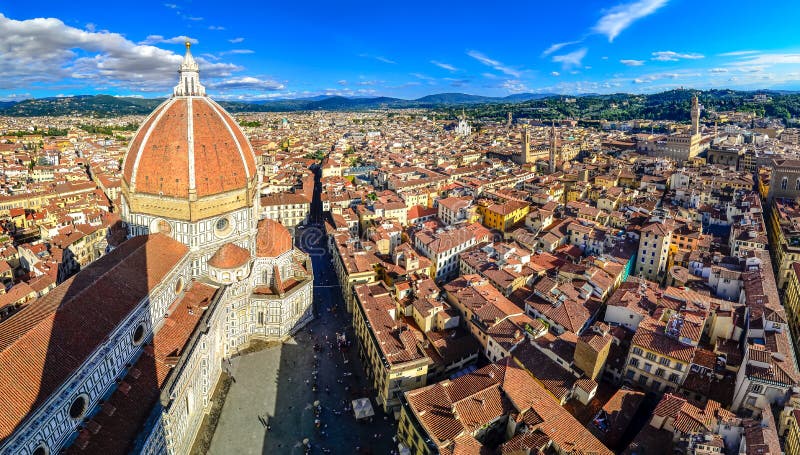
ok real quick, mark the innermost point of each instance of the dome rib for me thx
(166, 151)
(216, 109)
(156, 118)
(190, 141)
(189, 160)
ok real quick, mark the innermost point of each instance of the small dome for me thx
(272, 239)
(229, 256)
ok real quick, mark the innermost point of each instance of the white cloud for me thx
(620, 17)
(171, 5)
(342, 82)
(446, 66)
(670, 56)
(514, 86)
(628, 62)
(47, 51)
(718, 70)
(555, 73)
(423, 77)
(15, 97)
(557, 46)
(158, 39)
(238, 52)
(737, 53)
(379, 58)
(246, 83)
(572, 59)
(216, 27)
(648, 78)
(770, 59)
(236, 40)
(494, 64)
(457, 82)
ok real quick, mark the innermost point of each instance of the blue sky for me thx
(265, 49)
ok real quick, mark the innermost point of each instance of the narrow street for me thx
(277, 384)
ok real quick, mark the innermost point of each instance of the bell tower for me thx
(695, 116)
(553, 147)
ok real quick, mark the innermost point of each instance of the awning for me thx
(362, 408)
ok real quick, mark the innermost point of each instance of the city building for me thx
(393, 357)
(680, 147)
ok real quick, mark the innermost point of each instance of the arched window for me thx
(797, 185)
(784, 182)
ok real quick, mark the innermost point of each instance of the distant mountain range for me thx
(666, 105)
(106, 105)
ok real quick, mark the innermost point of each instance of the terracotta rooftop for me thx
(272, 239)
(229, 256)
(43, 344)
(452, 410)
(113, 430)
(189, 142)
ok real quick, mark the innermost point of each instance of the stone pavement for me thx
(271, 383)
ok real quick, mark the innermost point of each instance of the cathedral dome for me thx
(189, 160)
(272, 239)
(229, 256)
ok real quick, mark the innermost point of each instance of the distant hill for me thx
(109, 106)
(99, 105)
(672, 104)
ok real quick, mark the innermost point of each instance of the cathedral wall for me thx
(277, 317)
(187, 209)
(51, 425)
(202, 237)
(191, 391)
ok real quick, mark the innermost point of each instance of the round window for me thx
(164, 227)
(41, 450)
(78, 407)
(138, 334)
(223, 227)
(178, 285)
(161, 226)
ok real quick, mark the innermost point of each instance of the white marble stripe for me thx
(218, 110)
(192, 184)
(167, 104)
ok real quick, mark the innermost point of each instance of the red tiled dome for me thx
(229, 256)
(272, 239)
(189, 160)
(188, 144)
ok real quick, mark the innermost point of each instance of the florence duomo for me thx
(340, 230)
(199, 278)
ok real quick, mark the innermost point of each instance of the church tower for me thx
(553, 147)
(523, 155)
(463, 128)
(526, 146)
(695, 116)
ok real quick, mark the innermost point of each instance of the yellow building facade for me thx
(503, 217)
